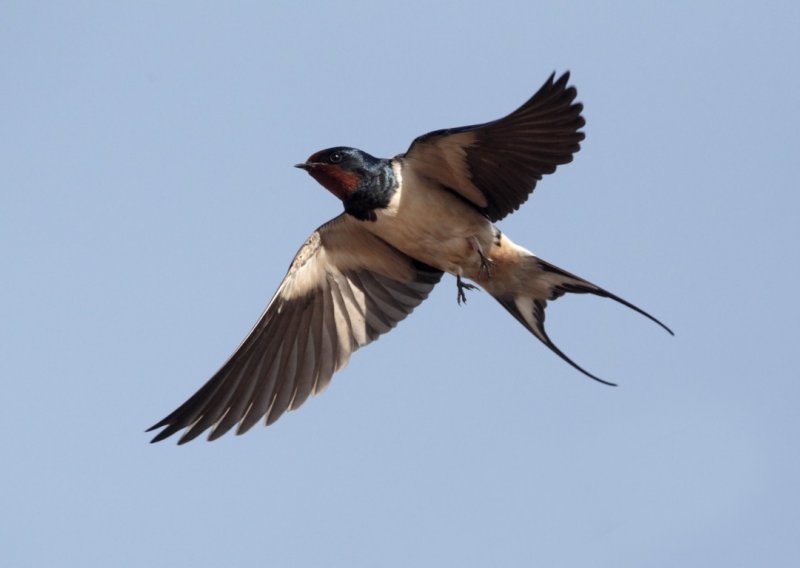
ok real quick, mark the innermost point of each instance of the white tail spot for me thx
(525, 307)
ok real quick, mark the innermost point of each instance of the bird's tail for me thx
(526, 289)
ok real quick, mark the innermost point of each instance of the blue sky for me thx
(149, 209)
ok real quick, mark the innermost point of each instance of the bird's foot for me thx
(461, 296)
(486, 263)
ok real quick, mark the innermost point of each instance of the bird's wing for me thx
(496, 165)
(344, 288)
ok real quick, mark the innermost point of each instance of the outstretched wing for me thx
(344, 288)
(496, 165)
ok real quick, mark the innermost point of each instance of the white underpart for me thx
(431, 224)
(525, 307)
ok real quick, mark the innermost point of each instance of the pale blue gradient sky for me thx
(149, 209)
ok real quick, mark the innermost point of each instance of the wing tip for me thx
(560, 83)
(163, 435)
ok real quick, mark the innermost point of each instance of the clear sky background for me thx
(148, 210)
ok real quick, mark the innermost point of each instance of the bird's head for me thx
(341, 170)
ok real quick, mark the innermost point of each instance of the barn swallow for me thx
(406, 221)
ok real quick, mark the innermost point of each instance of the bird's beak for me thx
(307, 166)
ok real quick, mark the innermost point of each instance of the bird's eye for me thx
(335, 158)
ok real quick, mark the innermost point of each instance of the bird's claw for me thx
(461, 296)
(486, 265)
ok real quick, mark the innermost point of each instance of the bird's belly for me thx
(435, 227)
(445, 251)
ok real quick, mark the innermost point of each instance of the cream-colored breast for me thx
(431, 224)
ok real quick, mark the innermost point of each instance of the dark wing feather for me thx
(496, 165)
(344, 288)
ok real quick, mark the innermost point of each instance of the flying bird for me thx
(406, 221)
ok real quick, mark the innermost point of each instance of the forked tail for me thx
(539, 282)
